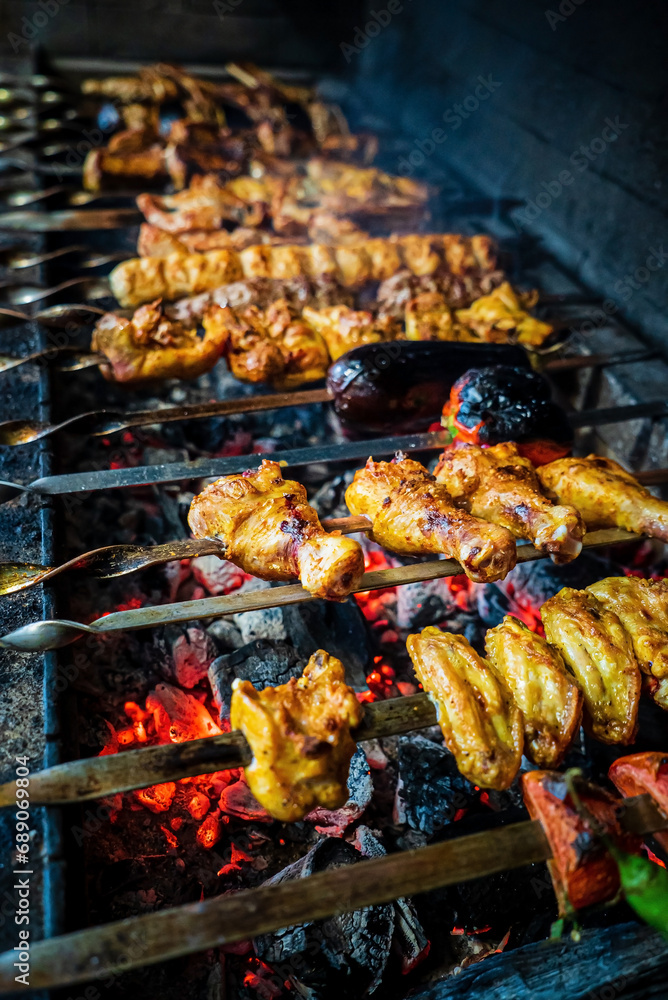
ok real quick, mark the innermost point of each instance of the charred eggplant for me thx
(401, 386)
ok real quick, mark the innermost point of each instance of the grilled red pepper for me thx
(583, 871)
(644, 773)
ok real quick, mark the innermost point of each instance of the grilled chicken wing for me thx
(597, 650)
(481, 724)
(499, 485)
(606, 495)
(343, 328)
(642, 607)
(270, 530)
(151, 346)
(272, 346)
(412, 514)
(501, 316)
(300, 736)
(547, 695)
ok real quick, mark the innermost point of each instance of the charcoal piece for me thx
(225, 634)
(262, 662)
(340, 628)
(410, 940)
(628, 961)
(430, 789)
(334, 822)
(343, 957)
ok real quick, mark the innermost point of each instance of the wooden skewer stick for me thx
(182, 930)
(96, 777)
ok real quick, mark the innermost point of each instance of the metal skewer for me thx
(70, 219)
(44, 635)
(119, 560)
(18, 260)
(78, 313)
(99, 952)
(24, 295)
(98, 422)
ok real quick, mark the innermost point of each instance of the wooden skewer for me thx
(96, 777)
(182, 930)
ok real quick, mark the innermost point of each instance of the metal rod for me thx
(70, 219)
(119, 560)
(15, 433)
(43, 635)
(99, 952)
(96, 777)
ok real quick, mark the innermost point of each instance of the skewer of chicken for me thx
(269, 530)
(500, 485)
(412, 514)
(606, 495)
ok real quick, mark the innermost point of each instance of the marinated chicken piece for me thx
(396, 292)
(251, 355)
(275, 346)
(343, 328)
(154, 242)
(145, 278)
(414, 515)
(644, 774)
(499, 485)
(481, 724)
(428, 317)
(500, 317)
(151, 346)
(606, 495)
(103, 167)
(270, 531)
(642, 608)
(203, 205)
(599, 653)
(300, 737)
(547, 695)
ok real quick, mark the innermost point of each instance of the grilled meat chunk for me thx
(300, 736)
(598, 651)
(481, 724)
(343, 328)
(606, 495)
(270, 530)
(501, 317)
(412, 514)
(141, 279)
(274, 345)
(642, 608)
(429, 317)
(499, 485)
(546, 693)
(152, 346)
